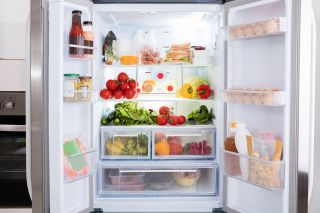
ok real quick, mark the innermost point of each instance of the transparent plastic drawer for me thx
(270, 27)
(268, 98)
(264, 173)
(125, 144)
(183, 143)
(157, 181)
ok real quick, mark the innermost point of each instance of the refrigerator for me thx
(252, 66)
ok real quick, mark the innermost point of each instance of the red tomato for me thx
(123, 77)
(123, 86)
(130, 93)
(182, 119)
(162, 119)
(105, 94)
(132, 83)
(173, 120)
(112, 84)
(117, 94)
(164, 110)
(175, 148)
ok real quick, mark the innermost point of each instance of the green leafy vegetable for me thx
(201, 115)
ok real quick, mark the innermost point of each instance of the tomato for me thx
(132, 83)
(105, 94)
(130, 93)
(182, 119)
(112, 84)
(164, 110)
(123, 77)
(175, 148)
(123, 86)
(162, 119)
(117, 94)
(173, 120)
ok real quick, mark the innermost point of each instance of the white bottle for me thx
(241, 144)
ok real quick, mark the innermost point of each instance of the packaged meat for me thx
(150, 53)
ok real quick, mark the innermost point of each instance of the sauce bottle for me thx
(76, 35)
(229, 142)
(88, 38)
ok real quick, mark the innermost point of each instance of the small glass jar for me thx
(85, 87)
(70, 85)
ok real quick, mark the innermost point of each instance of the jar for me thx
(88, 39)
(70, 85)
(76, 35)
(85, 87)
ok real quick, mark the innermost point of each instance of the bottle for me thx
(108, 49)
(88, 38)
(76, 35)
(241, 144)
(229, 142)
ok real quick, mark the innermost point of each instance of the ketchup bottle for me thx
(76, 35)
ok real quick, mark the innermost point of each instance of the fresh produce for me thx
(105, 94)
(162, 147)
(117, 94)
(175, 145)
(123, 77)
(200, 148)
(182, 119)
(204, 91)
(164, 110)
(201, 116)
(173, 120)
(123, 86)
(130, 113)
(162, 119)
(127, 145)
(187, 90)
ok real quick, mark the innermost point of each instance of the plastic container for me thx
(242, 146)
(150, 54)
(126, 179)
(160, 181)
(128, 56)
(70, 85)
(85, 86)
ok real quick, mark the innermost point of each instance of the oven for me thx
(13, 181)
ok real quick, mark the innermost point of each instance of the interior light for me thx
(148, 13)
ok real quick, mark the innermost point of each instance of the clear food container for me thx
(125, 144)
(183, 144)
(70, 86)
(85, 86)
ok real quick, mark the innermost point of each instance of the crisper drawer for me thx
(157, 181)
(177, 143)
(125, 144)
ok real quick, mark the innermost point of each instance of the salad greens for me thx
(201, 116)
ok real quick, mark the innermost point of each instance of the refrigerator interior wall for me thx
(170, 26)
(258, 63)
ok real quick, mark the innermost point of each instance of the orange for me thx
(162, 147)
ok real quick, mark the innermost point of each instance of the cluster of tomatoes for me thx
(122, 87)
(165, 117)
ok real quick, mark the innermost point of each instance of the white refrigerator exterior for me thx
(270, 64)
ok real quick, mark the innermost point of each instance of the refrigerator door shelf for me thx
(152, 181)
(125, 143)
(183, 144)
(256, 171)
(265, 98)
(265, 28)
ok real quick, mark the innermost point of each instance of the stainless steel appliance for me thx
(13, 182)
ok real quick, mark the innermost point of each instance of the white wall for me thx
(14, 15)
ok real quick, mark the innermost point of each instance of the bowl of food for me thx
(187, 179)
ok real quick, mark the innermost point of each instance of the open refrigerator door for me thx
(71, 149)
(259, 106)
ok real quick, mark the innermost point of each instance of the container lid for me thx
(71, 75)
(85, 77)
(76, 11)
(87, 22)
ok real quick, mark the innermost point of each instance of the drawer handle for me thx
(157, 170)
(120, 135)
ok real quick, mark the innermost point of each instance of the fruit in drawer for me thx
(175, 145)
(194, 148)
(162, 147)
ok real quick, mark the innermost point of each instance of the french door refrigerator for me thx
(250, 64)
